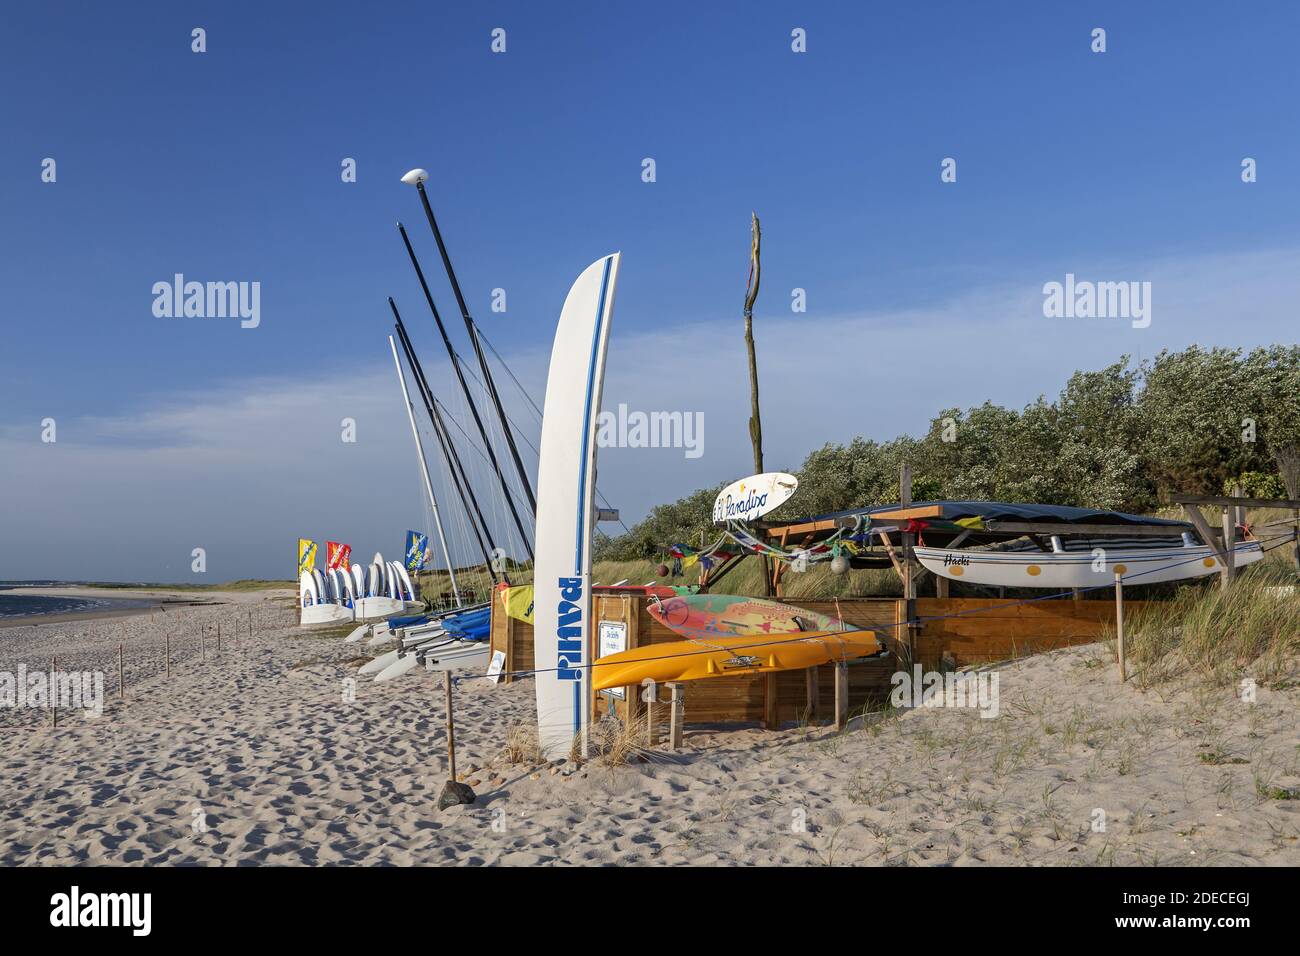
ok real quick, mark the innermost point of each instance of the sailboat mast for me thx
(449, 454)
(472, 329)
(460, 376)
(424, 470)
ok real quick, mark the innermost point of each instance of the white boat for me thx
(1064, 568)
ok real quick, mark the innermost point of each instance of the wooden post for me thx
(121, 680)
(769, 702)
(651, 732)
(841, 695)
(1119, 624)
(203, 643)
(451, 729)
(811, 691)
(218, 638)
(940, 586)
(54, 693)
(1229, 547)
(676, 716)
(167, 651)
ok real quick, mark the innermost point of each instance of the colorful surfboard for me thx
(712, 615)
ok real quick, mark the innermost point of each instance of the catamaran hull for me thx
(1083, 569)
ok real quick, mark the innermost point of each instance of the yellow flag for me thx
(306, 555)
(518, 602)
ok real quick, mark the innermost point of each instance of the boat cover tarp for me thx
(1007, 511)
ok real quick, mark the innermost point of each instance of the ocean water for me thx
(12, 605)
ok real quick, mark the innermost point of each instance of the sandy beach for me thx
(259, 755)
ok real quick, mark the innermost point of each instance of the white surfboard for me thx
(396, 588)
(566, 476)
(407, 583)
(753, 497)
(358, 581)
(308, 594)
(346, 594)
(322, 588)
(375, 583)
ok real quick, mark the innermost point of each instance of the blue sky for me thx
(225, 165)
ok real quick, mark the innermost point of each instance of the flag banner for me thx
(306, 555)
(518, 602)
(337, 555)
(416, 547)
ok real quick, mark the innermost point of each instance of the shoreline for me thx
(160, 601)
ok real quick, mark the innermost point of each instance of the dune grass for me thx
(1250, 629)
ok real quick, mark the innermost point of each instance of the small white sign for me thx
(753, 497)
(612, 640)
(495, 666)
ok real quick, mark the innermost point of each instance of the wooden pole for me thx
(909, 558)
(451, 729)
(203, 643)
(218, 638)
(121, 679)
(167, 651)
(811, 692)
(651, 732)
(1229, 547)
(841, 695)
(1119, 624)
(676, 716)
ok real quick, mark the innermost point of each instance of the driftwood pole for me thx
(1119, 624)
(755, 418)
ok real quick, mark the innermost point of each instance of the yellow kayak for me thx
(727, 656)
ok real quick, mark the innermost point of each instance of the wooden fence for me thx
(950, 632)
